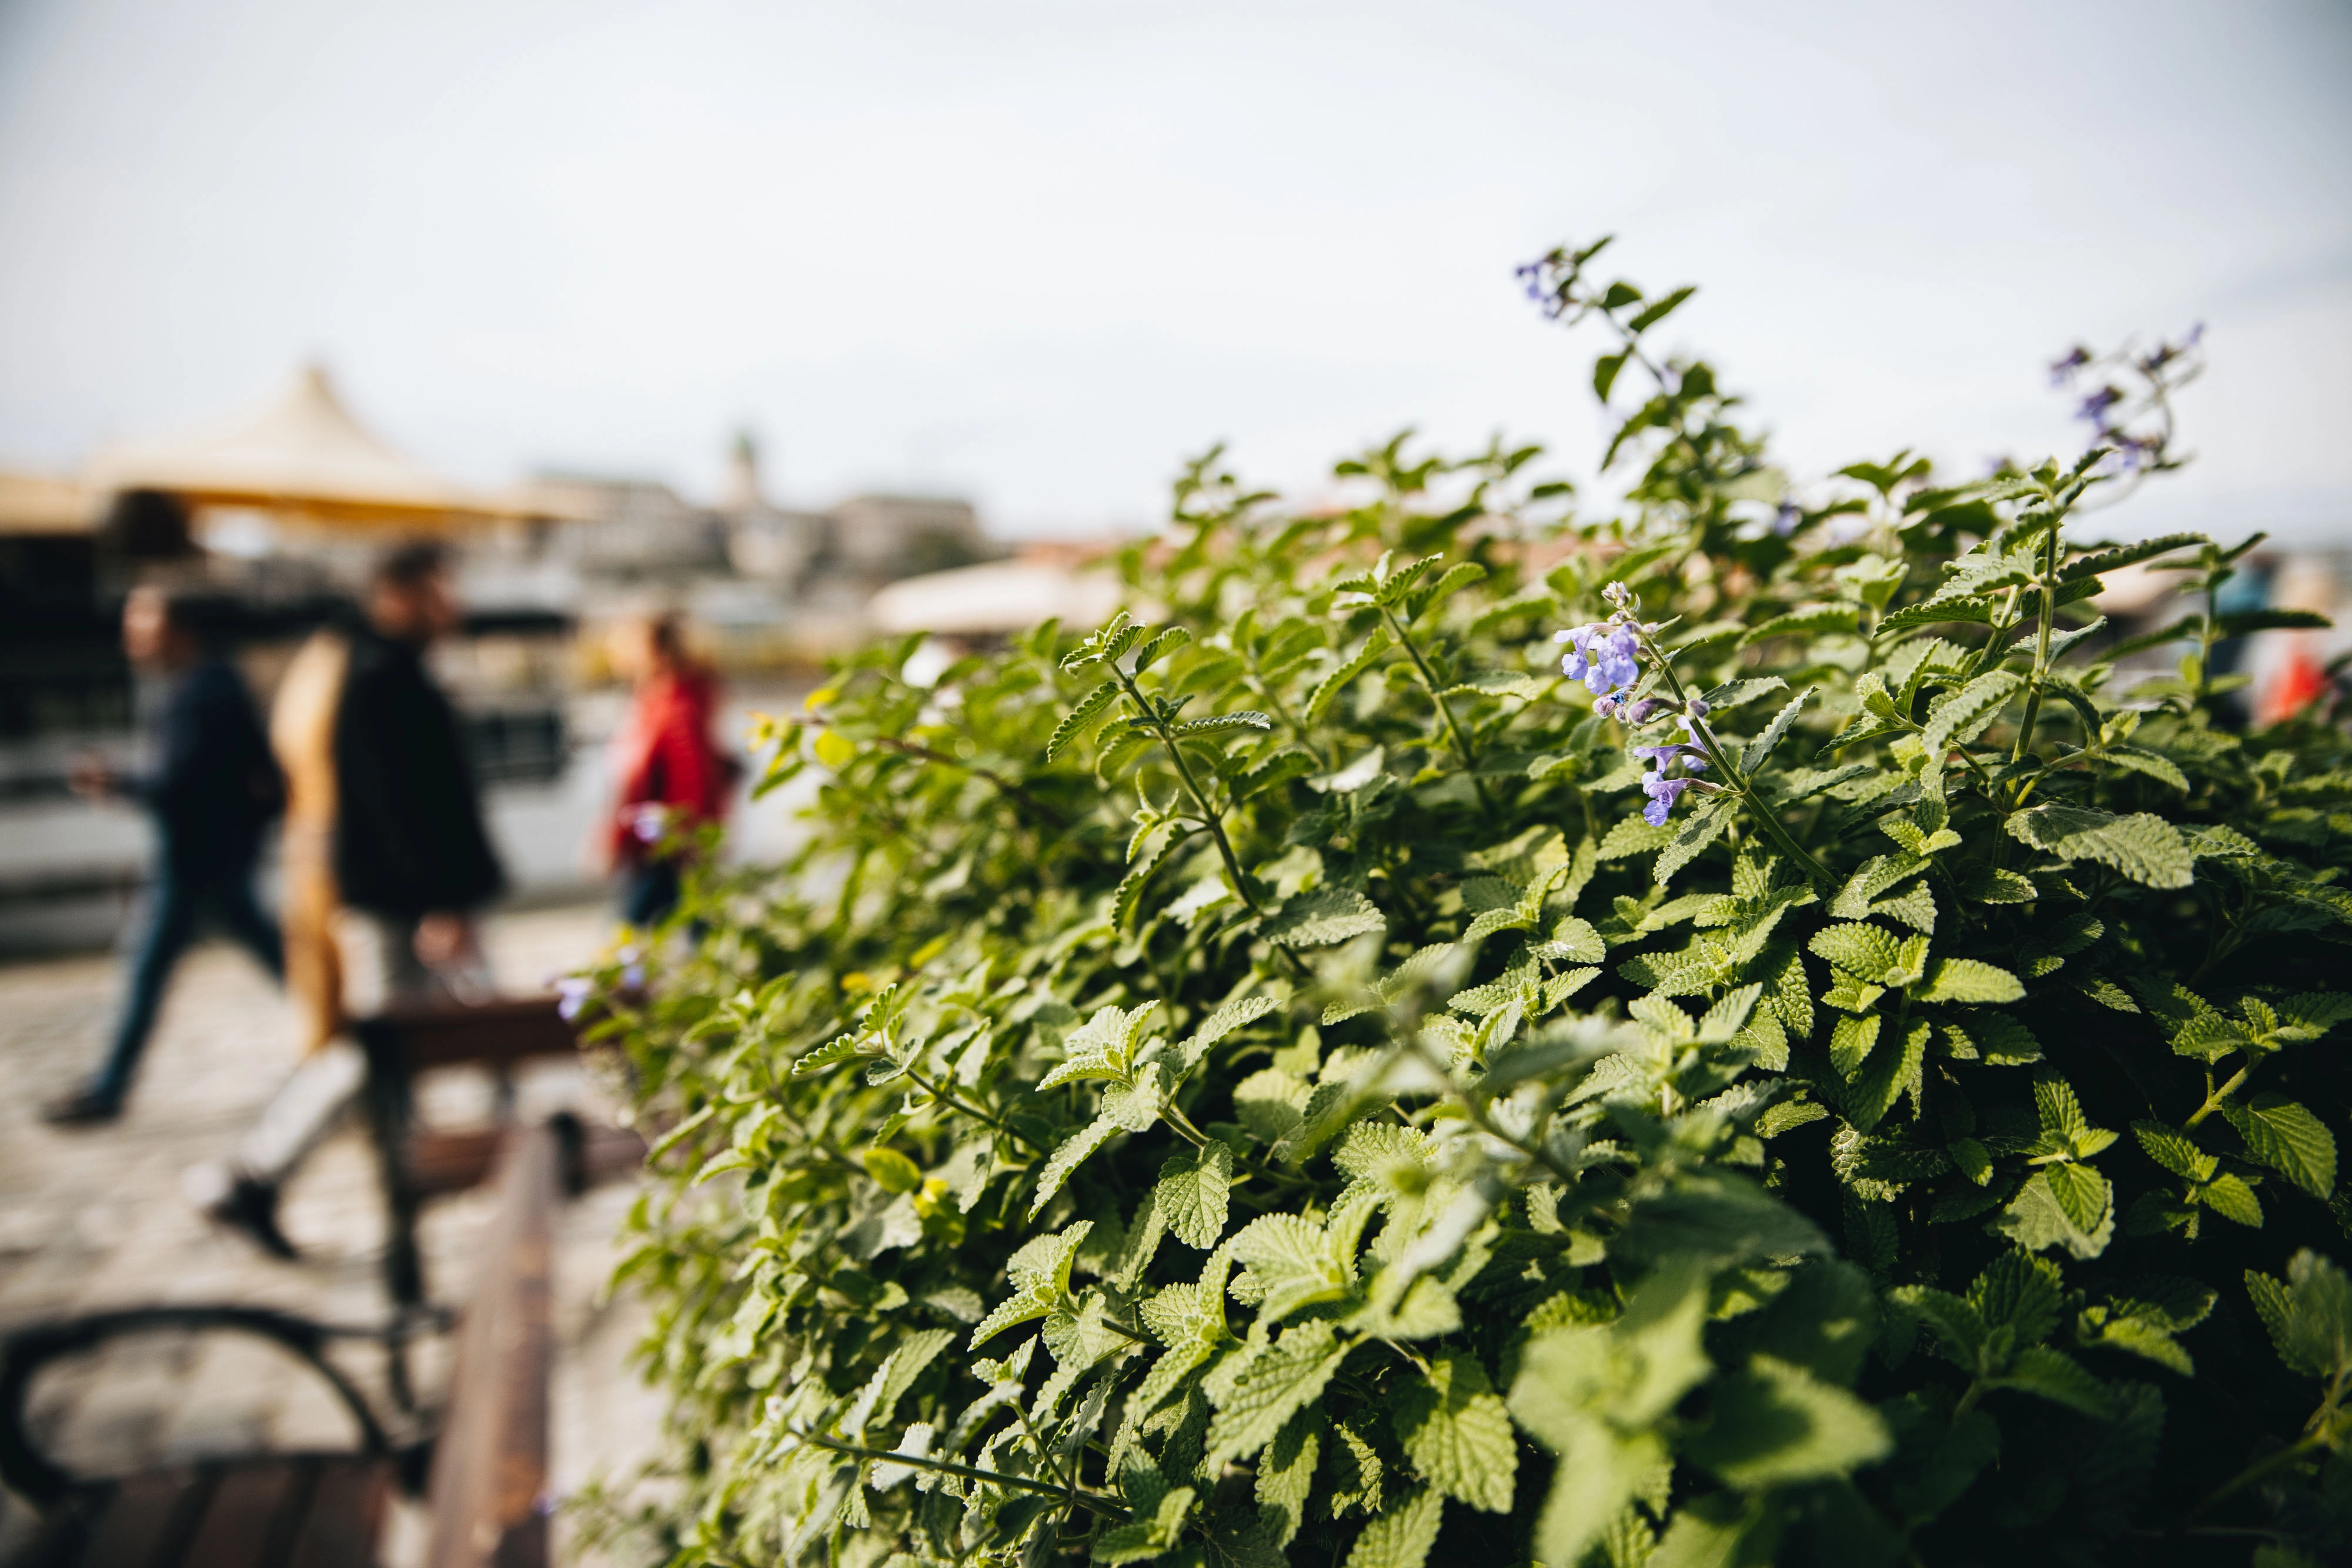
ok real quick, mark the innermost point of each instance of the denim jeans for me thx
(177, 902)
(380, 969)
(649, 894)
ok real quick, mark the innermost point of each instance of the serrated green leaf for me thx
(1400, 583)
(1166, 641)
(1277, 1383)
(2308, 1315)
(2229, 1197)
(1402, 1537)
(838, 1049)
(1850, 1041)
(1066, 1157)
(2108, 559)
(1960, 716)
(2036, 1220)
(1940, 607)
(1458, 1434)
(2143, 846)
(2137, 760)
(1706, 825)
(1296, 1262)
(1330, 685)
(2174, 1151)
(2288, 1138)
(1869, 953)
(1760, 749)
(1634, 836)
(1777, 1424)
(1040, 1275)
(1458, 576)
(1323, 917)
(1192, 1195)
(1733, 693)
(1220, 724)
(1237, 1014)
(1968, 981)
(1286, 1474)
(1885, 1080)
(2051, 1375)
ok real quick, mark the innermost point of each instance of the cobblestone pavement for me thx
(94, 1219)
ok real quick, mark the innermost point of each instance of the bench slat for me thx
(508, 1030)
(254, 1509)
(346, 1511)
(489, 1463)
(146, 1517)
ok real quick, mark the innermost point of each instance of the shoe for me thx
(245, 1205)
(82, 1108)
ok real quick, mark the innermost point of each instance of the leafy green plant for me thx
(1813, 1065)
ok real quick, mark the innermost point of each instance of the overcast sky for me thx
(1038, 252)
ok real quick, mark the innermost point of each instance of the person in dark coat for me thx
(374, 748)
(212, 791)
(411, 850)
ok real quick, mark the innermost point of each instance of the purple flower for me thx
(2062, 371)
(1662, 793)
(2094, 407)
(1578, 659)
(574, 993)
(649, 822)
(1604, 658)
(1604, 655)
(1785, 520)
(633, 978)
(1639, 713)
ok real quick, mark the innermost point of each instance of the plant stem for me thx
(1209, 818)
(948, 1467)
(2253, 1473)
(1183, 1124)
(2049, 614)
(2213, 1101)
(1745, 787)
(1444, 709)
(943, 1097)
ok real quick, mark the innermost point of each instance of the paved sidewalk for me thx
(94, 1219)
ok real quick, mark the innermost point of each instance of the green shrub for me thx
(1284, 1083)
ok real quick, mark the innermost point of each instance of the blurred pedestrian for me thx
(673, 777)
(212, 790)
(387, 862)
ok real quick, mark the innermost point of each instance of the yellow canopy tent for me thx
(42, 504)
(302, 457)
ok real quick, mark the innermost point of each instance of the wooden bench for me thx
(415, 1164)
(487, 1463)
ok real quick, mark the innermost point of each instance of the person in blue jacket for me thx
(212, 789)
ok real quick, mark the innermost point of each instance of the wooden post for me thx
(489, 1464)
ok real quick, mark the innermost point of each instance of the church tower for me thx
(742, 492)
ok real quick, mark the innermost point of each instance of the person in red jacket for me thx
(673, 777)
